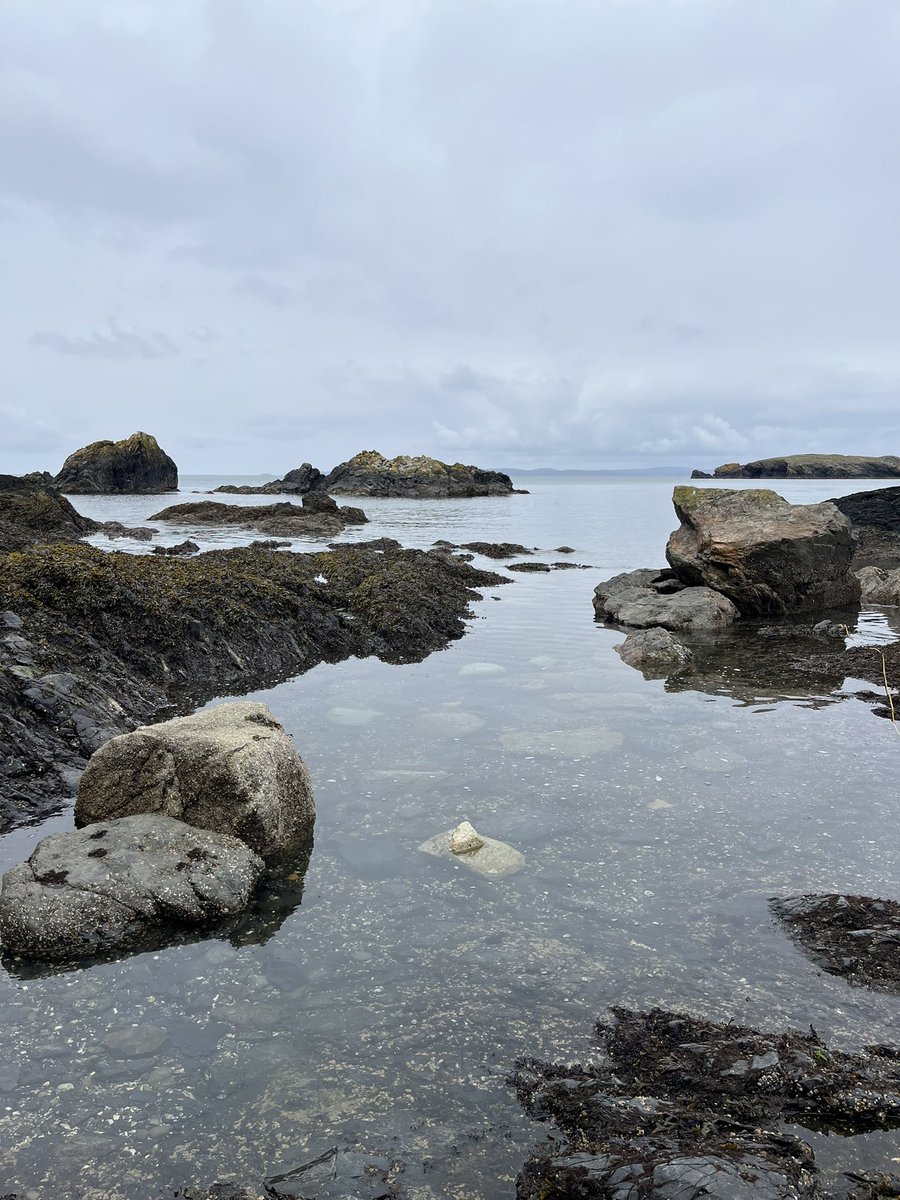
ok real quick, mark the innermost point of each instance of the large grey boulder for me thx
(879, 586)
(119, 884)
(231, 769)
(135, 464)
(767, 556)
(647, 598)
(654, 652)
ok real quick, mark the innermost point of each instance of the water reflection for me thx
(279, 894)
(755, 663)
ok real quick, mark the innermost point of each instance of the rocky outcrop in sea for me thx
(135, 464)
(371, 474)
(316, 516)
(809, 466)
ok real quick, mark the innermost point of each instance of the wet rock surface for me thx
(135, 464)
(765, 555)
(110, 641)
(647, 597)
(655, 652)
(879, 586)
(683, 1108)
(119, 884)
(231, 769)
(316, 516)
(857, 937)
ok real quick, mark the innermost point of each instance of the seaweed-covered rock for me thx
(231, 769)
(120, 884)
(371, 474)
(496, 549)
(857, 937)
(683, 1108)
(31, 512)
(108, 641)
(765, 555)
(301, 480)
(135, 464)
(654, 651)
(315, 516)
(181, 549)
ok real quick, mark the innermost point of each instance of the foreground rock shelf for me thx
(683, 1108)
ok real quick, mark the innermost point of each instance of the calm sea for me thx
(381, 999)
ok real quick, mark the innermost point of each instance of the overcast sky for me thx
(512, 232)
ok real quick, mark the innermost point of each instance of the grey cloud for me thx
(570, 231)
(116, 342)
(267, 290)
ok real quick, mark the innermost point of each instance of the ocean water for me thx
(378, 997)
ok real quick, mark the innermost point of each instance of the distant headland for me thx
(809, 466)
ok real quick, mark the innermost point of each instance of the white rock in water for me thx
(493, 860)
(464, 839)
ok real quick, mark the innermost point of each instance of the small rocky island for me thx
(316, 516)
(809, 466)
(371, 474)
(135, 464)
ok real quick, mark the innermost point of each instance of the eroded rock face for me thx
(879, 586)
(857, 937)
(371, 474)
(683, 1108)
(231, 769)
(119, 884)
(647, 597)
(654, 651)
(765, 555)
(135, 464)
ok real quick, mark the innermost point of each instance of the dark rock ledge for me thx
(857, 937)
(93, 644)
(683, 1108)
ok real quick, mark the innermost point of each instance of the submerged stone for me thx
(492, 859)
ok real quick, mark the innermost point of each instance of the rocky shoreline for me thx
(93, 643)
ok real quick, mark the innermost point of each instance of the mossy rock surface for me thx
(135, 464)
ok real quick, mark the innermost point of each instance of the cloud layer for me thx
(520, 232)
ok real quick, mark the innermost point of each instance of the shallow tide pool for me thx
(378, 996)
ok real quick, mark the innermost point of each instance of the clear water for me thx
(381, 1000)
